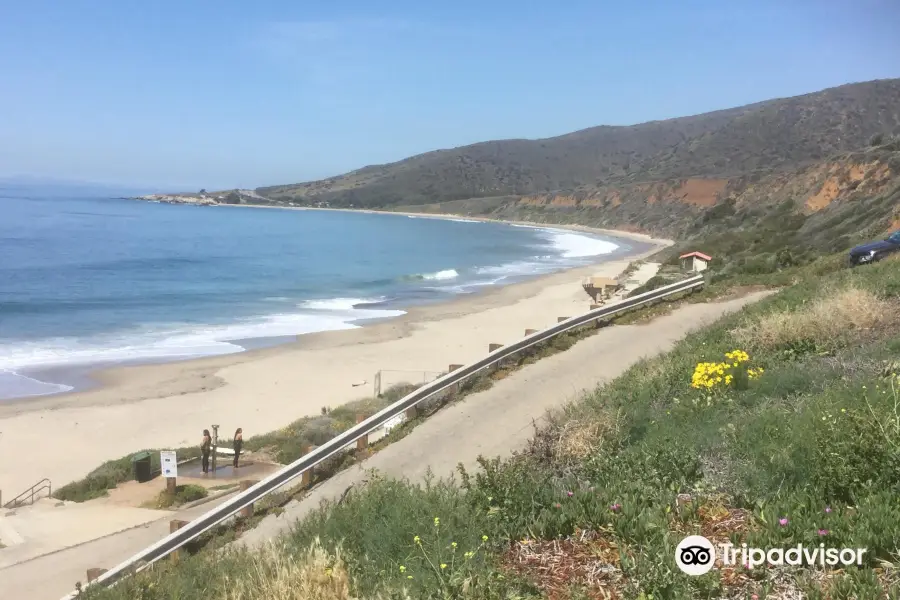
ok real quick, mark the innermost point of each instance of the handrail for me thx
(217, 515)
(40, 485)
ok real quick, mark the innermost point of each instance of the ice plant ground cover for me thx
(807, 452)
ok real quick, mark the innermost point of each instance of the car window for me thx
(894, 237)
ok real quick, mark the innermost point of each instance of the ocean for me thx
(90, 282)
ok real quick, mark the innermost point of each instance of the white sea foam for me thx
(173, 341)
(536, 266)
(339, 303)
(575, 245)
(441, 275)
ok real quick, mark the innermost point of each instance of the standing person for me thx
(204, 450)
(238, 444)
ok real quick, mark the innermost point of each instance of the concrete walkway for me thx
(51, 576)
(501, 420)
(49, 525)
(491, 423)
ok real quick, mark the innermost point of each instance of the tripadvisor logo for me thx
(696, 555)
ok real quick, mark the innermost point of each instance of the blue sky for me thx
(223, 94)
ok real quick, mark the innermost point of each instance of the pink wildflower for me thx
(783, 521)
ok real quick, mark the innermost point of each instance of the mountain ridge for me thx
(782, 133)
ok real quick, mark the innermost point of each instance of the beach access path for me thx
(495, 422)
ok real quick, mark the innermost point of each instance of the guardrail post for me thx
(530, 332)
(455, 388)
(246, 484)
(306, 476)
(363, 442)
(492, 348)
(561, 319)
(175, 525)
(93, 574)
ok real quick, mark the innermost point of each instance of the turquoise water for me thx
(89, 281)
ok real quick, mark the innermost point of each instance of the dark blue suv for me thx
(874, 251)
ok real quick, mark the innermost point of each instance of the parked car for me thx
(874, 251)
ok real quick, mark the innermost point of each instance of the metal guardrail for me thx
(217, 515)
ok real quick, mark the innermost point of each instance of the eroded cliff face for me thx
(692, 192)
(670, 207)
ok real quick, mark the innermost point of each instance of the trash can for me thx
(141, 463)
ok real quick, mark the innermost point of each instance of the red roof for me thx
(705, 257)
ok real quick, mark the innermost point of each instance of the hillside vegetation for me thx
(758, 138)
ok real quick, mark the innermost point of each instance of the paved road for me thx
(491, 423)
(501, 420)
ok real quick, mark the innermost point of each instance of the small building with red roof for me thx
(695, 261)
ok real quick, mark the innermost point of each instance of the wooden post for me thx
(455, 388)
(362, 442)
(493, 347)
(246, 484)
(561, 319)
(93, 574)
(306, 476)
(530, 331)
(175, 525)
(170, 485)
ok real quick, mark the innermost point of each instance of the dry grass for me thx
(822, 322)
(581, 437)
(275, 574)
(587, 560)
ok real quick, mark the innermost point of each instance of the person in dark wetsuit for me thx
(205, 446)
(238, 444)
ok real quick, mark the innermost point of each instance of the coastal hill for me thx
(754, 139)
(815, 173)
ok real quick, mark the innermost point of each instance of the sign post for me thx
(169, 463)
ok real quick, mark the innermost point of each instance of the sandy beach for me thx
(63, 437)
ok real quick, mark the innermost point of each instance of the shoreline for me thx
(167, 404)
(83, 379)
(630, 235)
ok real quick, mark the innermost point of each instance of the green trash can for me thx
(141, 464)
